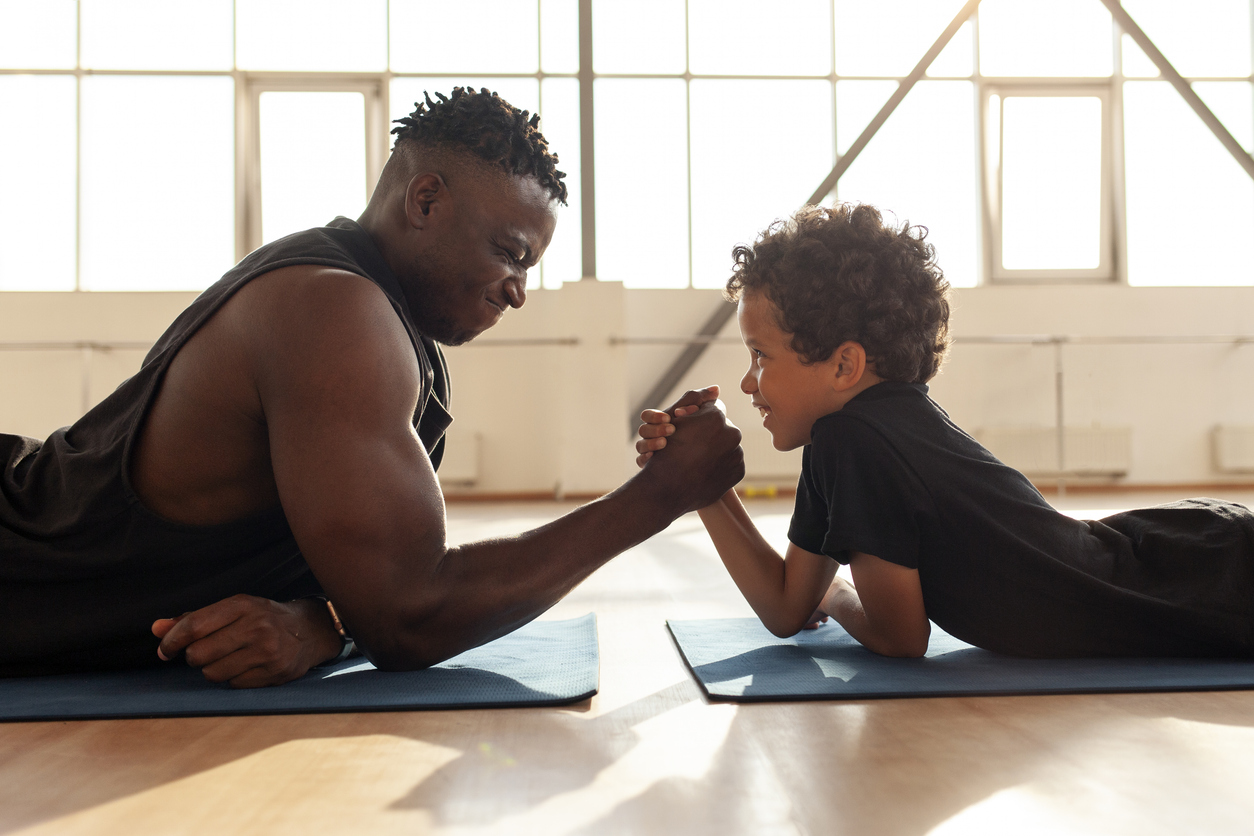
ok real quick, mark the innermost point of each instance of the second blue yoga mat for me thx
(738, 660)
(541, 663)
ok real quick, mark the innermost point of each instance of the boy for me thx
(846, 319)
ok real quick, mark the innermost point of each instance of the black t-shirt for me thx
(890, 475)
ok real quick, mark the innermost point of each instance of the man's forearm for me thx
(480, 591)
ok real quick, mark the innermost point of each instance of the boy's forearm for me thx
(757, 569)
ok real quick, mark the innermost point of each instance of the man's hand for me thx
(251, 641)
(703, 459)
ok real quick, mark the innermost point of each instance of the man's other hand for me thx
(250, 641)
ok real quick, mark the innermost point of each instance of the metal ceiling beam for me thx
(693, 351)
(1183, 87)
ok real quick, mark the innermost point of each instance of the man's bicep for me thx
(339, 391)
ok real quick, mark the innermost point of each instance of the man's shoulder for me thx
(325, 317)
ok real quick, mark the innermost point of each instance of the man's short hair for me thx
(490, 128)
(840, 273)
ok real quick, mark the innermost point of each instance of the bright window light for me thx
(1045, 38)
(37, 227)
(1051, 181)
(559, 122)
(732, 37)
(1190, 206)
(1232, 102)
(631, 208)
(481, 36)
(857, 102)
(307, 183)
(920, 167)
(559, 36)
(1136, 64)
(888, 37)
(1200, 37)
(38, 36)
(157, 35)
(642, 36)
(747, 172)
(158, 198)
(311, 35)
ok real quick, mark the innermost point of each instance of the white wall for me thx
(554, 418)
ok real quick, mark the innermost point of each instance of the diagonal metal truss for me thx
(693, 351)
(1125, 21)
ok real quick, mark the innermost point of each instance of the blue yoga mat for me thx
(541, 663)
(738, 660)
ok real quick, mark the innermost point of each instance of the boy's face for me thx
(791, 396)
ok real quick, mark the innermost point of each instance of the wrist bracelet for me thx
(347, 647)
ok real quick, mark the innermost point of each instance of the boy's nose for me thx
(749, 383)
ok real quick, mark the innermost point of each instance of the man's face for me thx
(472, 261)
(788, 394)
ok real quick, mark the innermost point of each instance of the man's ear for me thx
(424, 193)
(849, 360)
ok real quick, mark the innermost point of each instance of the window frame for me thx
(248, 90)
(991, 174)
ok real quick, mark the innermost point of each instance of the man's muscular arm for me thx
(338, 382)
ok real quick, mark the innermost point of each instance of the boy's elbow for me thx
(913, 646)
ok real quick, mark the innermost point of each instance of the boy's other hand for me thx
(657, 423)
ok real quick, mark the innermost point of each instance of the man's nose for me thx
(516, 292)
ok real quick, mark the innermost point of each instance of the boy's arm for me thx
(784, 592)
(885, 611)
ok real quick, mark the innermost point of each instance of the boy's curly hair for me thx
(841, 273)
(488, 126)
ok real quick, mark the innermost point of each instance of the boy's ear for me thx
(849, 360)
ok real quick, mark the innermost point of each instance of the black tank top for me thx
(85, 567)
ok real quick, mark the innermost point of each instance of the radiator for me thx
(1233, 446)
(460, 465)
(1088, 451)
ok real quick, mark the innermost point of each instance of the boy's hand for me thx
(658, 423)
(818, 619)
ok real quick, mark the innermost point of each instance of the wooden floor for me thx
(648, 754)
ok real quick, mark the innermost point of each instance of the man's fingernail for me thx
(162, 656)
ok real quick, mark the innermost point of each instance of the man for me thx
(280, 442)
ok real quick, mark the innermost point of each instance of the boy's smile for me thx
(790, 395)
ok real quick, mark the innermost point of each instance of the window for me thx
(1048, 182)
(1041, 120)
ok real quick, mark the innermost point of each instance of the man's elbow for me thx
(405, 656)
(408, 641)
